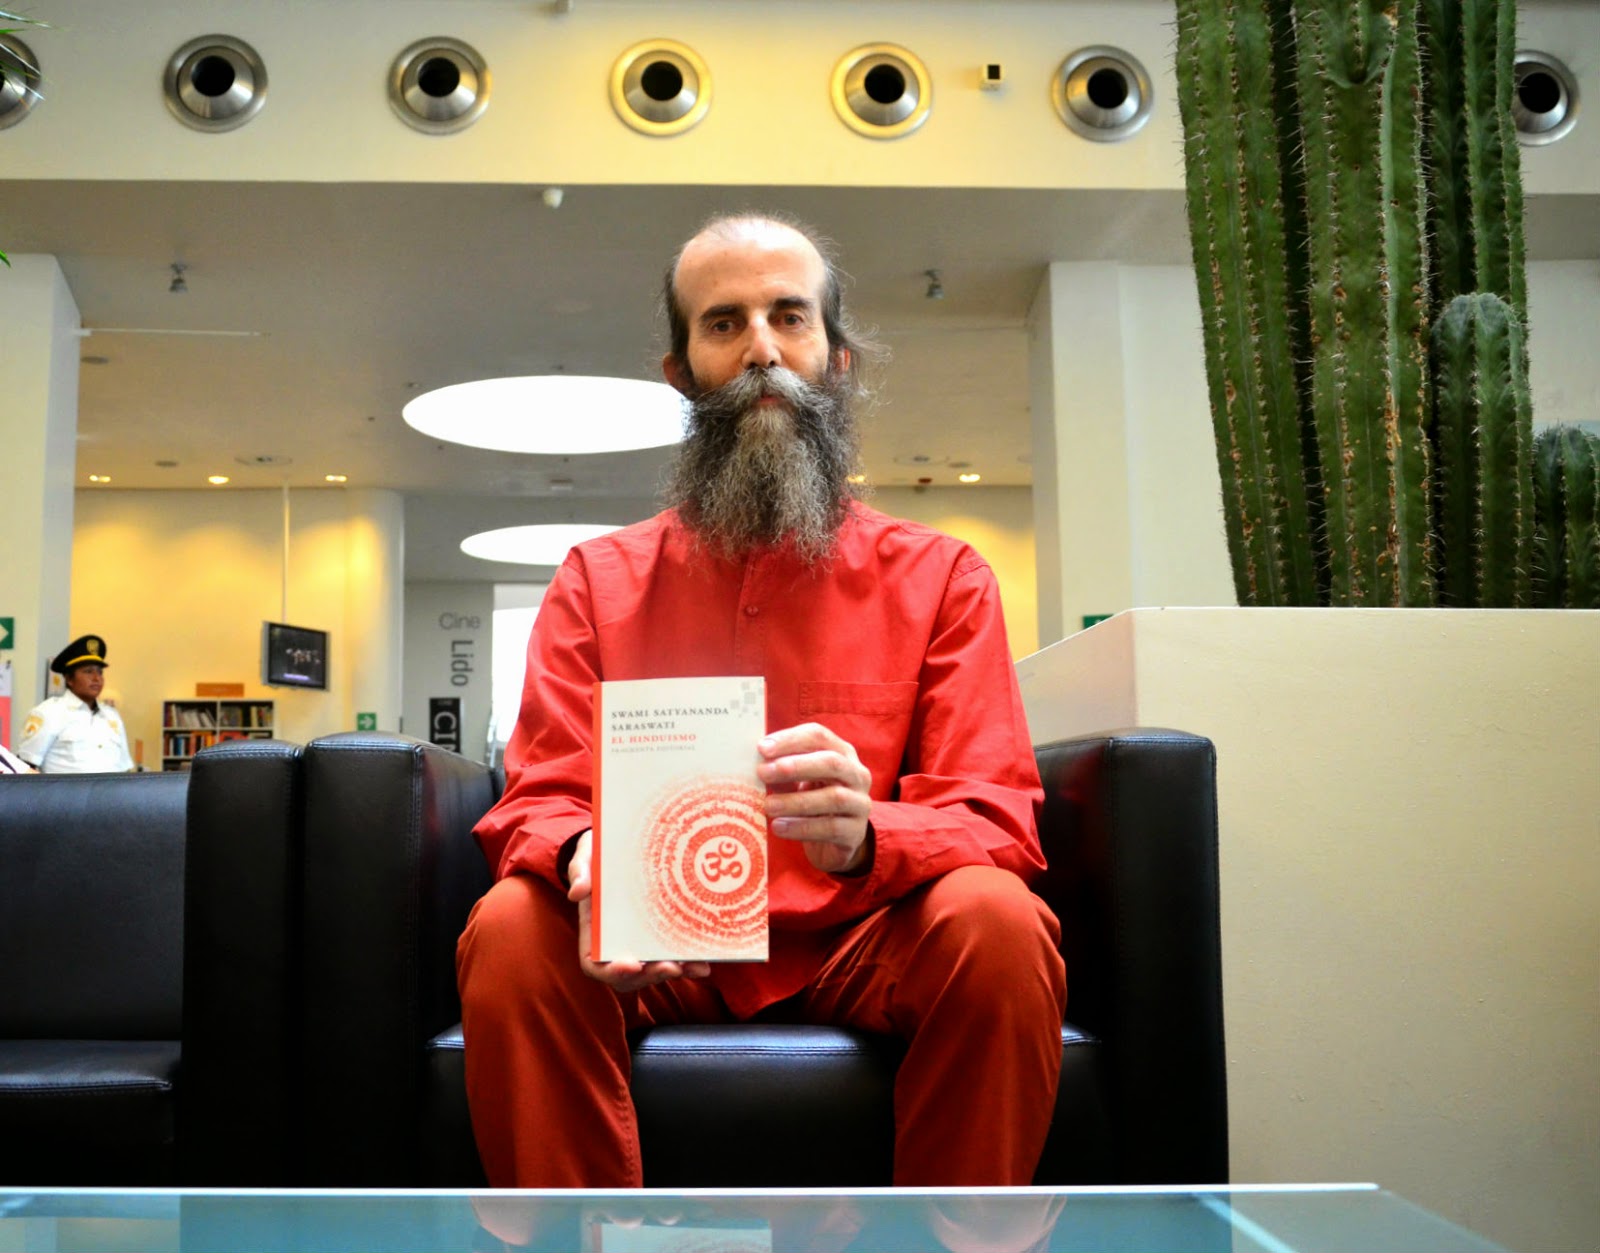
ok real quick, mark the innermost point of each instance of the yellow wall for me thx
(179, 584)
(998, 522)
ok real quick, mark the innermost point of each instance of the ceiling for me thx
(315, 310)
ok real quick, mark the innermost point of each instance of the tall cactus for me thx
(1566, 491)
(1250, 271)
(1382, 183)
(1359, 88)
(1485, 435)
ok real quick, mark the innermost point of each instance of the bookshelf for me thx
(187, 726)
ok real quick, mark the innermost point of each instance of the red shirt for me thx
(897, 645)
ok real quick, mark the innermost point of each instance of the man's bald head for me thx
(845, 342)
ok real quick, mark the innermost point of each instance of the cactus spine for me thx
(1566, 488)
(1383, 184)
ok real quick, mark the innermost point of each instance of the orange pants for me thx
(965, 969)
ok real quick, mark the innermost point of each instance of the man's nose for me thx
(761, 345)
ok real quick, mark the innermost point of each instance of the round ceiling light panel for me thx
(661, 87)
(19, 80)
(881, 90)
(1103, 94)
(215, 83)
(1544, 102)
(439, 85)
(540, 545)
(563, 414)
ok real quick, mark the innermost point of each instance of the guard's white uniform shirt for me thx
(64, 736)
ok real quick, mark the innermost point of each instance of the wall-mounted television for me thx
(294, 656)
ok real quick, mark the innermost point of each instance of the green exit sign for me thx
(8, 632)
(366, 722)
(1089, 619)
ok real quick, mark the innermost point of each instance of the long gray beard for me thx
(749, 475)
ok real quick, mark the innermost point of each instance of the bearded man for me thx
(901, 781)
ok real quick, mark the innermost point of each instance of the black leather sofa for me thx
(318, 900)
(91, 948)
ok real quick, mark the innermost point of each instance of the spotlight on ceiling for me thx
(660, 87)
(544, 545)
(1103, 94)
(554, 413)
(881, 90)
(439, 85)
(1544, 105)
(178, 286)
(19, 80)
(215, 83)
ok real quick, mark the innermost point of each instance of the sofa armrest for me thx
(391, 872)
(241, 965)
(1129, 828)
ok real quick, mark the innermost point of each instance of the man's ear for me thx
(677, 374)
(842, 360)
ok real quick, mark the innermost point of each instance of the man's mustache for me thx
(755, 382)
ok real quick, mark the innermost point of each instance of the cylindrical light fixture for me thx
(439, 85)
(1102, 93)
(19, 80)
(1544, 102)
(881, 90)
(215, 83)
(660, 87)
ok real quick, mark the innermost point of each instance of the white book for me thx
(680, 828)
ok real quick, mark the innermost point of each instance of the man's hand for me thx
(819, 793)
(622, 976)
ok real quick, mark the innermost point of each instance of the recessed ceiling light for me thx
(217, 480)
(544, 545)
(858, 478)
(969, 478)
(335, 478)
(99, 478)
(551, 414)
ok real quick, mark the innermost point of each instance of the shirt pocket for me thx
(874, 718)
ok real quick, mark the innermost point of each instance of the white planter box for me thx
(1409, 809)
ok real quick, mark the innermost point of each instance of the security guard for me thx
(74, 733)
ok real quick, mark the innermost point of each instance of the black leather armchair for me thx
(388, 872)
(91, 948)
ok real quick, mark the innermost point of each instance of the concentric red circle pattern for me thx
(705, 852)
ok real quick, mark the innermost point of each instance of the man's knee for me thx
(989, 922)
(512, 933)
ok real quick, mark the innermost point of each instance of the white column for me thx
(1082, 509)
(374, 604)
(38, 433)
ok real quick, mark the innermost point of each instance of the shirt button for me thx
(751, 611)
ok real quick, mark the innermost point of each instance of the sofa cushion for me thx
(87, 1112)
(91, 906)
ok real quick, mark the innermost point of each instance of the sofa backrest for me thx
(91, 906)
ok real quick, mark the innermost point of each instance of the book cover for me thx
(680, 828)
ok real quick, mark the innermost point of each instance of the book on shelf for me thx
(679, 858)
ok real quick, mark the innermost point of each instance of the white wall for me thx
(1409, 853)
(447, 653)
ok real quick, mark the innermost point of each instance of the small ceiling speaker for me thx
(660, 87)
(881, 90)
(215, 83)
(1544, 102)
(439, 85)
(19, 80)
(1103, 94)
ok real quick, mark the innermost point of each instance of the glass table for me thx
(1331, 1218)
